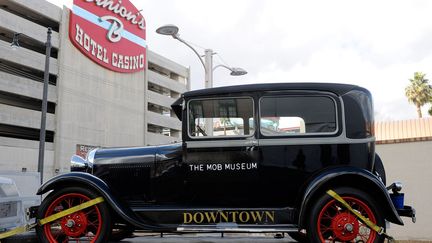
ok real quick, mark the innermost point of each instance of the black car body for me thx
(254, 158)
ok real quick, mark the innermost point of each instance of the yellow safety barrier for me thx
(52, 218)
(370, 224)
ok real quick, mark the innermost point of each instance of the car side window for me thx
(297, 115)
(223, 117)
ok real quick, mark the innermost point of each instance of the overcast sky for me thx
(375, 44)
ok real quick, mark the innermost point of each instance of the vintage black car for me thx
(253, 158)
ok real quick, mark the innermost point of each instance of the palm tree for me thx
(224, 122)
(419, 92)
(430, 108)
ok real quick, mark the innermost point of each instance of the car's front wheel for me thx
(92, 224)
(331, 222)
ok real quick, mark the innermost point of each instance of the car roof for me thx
(336, 88)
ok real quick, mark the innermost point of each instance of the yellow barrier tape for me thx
(369, 223)
(51, 218)
(71, 210)
(361, 217)
(15, 231)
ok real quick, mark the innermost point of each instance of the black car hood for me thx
(131, 155)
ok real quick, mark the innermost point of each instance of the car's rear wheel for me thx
(92, 224)
(332, 222)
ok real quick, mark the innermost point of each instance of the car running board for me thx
(238, 228)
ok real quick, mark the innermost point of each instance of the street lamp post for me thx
(234, 71)
(208, 56)
(207, 63)
(14, 45)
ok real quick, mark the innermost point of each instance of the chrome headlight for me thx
(91, 156)
(79, 164)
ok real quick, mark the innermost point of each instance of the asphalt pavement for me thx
(30, 237)
(208, 238)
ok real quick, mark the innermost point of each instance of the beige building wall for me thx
(166, 81)
(95, 106)
(21, 73)
(405, 148)
(404, 130)
(411, 163)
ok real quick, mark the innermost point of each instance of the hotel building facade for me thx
(88, 104)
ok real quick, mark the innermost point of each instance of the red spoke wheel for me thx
(92, 224)
(333, 222)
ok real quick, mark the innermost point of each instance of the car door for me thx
(297, 137)
(221, 158)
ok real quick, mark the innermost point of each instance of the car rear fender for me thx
(90, 181)
(350, 177)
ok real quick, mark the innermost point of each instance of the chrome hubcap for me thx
(349, 227)
(70, 223)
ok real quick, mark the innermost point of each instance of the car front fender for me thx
(95, 183)
(352, 177)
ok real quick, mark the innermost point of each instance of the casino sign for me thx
(111, 33)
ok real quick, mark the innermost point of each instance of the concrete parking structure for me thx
(114, 109)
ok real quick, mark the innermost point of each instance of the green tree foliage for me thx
(430, 109)
(419, 92)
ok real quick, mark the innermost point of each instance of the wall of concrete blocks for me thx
(411, 163)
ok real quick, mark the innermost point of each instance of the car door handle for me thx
(252, 148)
(251, 145)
